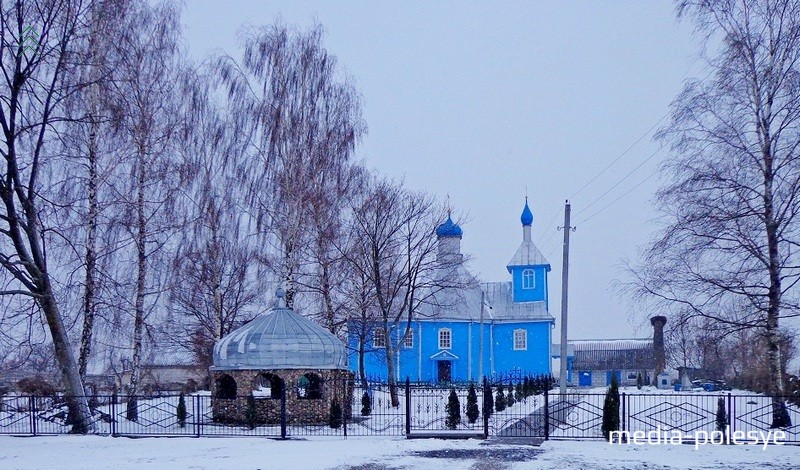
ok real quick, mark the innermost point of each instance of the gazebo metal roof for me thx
(280, 339)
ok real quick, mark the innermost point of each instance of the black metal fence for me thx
(490, 409)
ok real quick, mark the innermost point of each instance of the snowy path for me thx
(93, 452)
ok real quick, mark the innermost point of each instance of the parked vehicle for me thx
(711, 385)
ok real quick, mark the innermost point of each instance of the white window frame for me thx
(408, 341)
(528, 279)
(445, 338)
(379, 338)
(520, 339)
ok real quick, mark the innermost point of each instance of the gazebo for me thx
(277, 356)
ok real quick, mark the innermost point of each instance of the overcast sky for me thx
(481, 100)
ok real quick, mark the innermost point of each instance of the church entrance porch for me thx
(444, 371)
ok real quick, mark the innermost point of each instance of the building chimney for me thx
(658, 323)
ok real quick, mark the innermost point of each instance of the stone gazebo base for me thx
(307, 402)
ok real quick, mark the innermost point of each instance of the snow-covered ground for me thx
(93, 452)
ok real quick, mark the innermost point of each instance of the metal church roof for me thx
(499, 306)
(528, 255)
(280, 339)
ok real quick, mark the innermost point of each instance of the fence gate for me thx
(428, 412)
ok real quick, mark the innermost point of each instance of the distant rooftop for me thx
(605, 354)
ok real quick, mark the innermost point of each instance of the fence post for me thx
(197, 406)
(486, 391)
(624, 419)
(345, 389)
(546, 415)
(283, 412)
(408, 406)
(113, 416)
(730, 415)
(32, 408)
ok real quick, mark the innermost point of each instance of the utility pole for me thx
(562, 375)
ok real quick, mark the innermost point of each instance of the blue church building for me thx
(488, 329)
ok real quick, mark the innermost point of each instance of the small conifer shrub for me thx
(453, 410)
(472, 405)
(335, 419)
(366, 405)
(500, 399)
(251, 412)
(722, 415)
(180, 412)
(611, 409)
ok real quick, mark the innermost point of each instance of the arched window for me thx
(309, 387)
(445, 338)
(520, 340)
(226, 387)
(528, 279)
(267, 386)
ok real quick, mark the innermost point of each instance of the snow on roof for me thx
(280, 339)
(499, 305)
(611, 344)
(606, 354)
(528, 255)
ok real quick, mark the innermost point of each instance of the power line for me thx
(597, 199)
(620, 197)
(612, 163)
(620, 156)
(646, 133)
(549, 225)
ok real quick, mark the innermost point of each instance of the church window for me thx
(528, 279)
(445, 338)
(520, 340)
(379, 338)
(408, 341)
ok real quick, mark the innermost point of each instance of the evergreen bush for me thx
(335, 419)
(518, 395)
(251, 412)
(453, 410)
(488, 402)
(639, 381)
(722, 415)
(611, 409)
(472, 404)
(366, 405)
(500, 400)
(510, 397)
(180, 413)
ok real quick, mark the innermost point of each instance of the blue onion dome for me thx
(449, 229)
(527, 216)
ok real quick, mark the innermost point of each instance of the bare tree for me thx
(362, 312)
(37, 77)
(303, 122)
(728, 250)
(89, 141)
(396, 252)
(215, 284)
(146, 81)
(329, 277)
